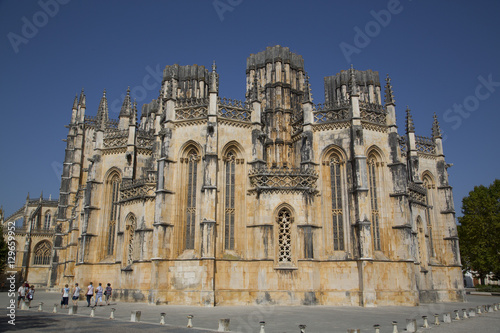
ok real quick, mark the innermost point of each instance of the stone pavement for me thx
(244, 318)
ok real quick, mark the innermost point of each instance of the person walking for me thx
(76, 294)
(98, 294)
(90, 293)
(107, 293)
(21, 294)
(65, 296)
(31, 294)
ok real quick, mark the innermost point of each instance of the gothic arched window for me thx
(336, 193)
(229, 201)
(34, 222)
(113, 195)
(372, 178)
(42, 253)
(192, 166)
(46, 225)
(284, 220)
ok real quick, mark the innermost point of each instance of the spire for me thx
(133, 114)
(436, 130)
(75, 102)
(126, 106)
(307, 94)
(28, 196)
(389, 95)
(354, 86)
(214, 79)
(41, 196)
(102, 112)
(410, 128)
(82, 99)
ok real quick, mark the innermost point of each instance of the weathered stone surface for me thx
(211, 201)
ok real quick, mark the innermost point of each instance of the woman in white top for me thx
(90, 293)
(65, 296)
(76, 294)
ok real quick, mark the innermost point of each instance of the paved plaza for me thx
(243, 318)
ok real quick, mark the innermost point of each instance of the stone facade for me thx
(34, 234)
(275, 200)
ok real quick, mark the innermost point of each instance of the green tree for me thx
(479, 231)
(4, 250)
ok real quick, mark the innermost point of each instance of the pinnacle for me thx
(410, 128)
(102, 112)
(436, 130)
(126, 106)
(389, 95)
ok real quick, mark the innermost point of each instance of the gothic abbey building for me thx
(211, 201)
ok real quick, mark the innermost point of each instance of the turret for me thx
(337, 87)
(280, 87)
(80, 115)
(213, 91)
(125, 112)
(436, 136)
(102, 113)
(390, 103)
(412, 155)
(74, 110)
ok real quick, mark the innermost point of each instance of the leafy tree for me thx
(4, 250)
(479, 231)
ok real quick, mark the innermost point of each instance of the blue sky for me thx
(442, 56)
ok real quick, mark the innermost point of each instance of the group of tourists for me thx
(25, 292)
(99, 292)
(91, 298)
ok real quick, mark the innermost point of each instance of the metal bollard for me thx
(495, 307)
(478, 310)
(40, 306)
(92, 312)
(457, 316)
(426, 323)
(224, 325)
(135, 316)
(436, 319)
(353, 330)
(73, 309)
(377, 328)
(447, 317)
(55, 309)
(464, 311)
(24, 305)
(162, 318)
(411, 325)
(262, 325)
(395, 327)
(302, 328)
(472, 312)
(112, 315)
(490, 308)
(190, 321)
